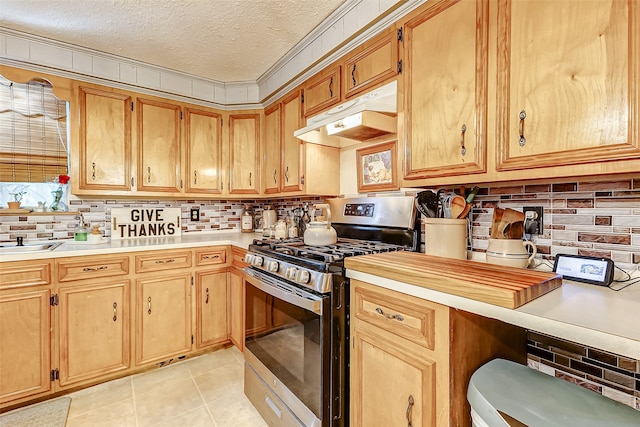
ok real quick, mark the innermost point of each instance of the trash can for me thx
(536, 399)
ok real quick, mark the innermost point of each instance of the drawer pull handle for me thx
(463, 149)
(149, 305)
(206, 301)
(286, 174)
(275, 172)
(409, 408)
(273, 406)
(331, 88)
(211, 257)
(389, 316)
(148, 174)
(102, 267)
(195, 177)
(353, 75)
(115, 311)
(250, 181)
(93, 171)
(162, 261)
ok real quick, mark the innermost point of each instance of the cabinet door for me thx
(158, 133)
(105, 140)
(272, 149)
(203, 152)
(371, 64)
(94, 330)
(163, 314)
(236, 308)
(445, 78)
(322, 91)
(25, 337)
(567, 82)
(390, 384)
(244, 140)
(211, 307)
(292, 148)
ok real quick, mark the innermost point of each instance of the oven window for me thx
(288, 340)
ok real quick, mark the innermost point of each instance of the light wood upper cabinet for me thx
(568, 87)
(370, 64)
(272, 149)
(283, 153)
(244, 147)
(292, 147)
(94, 329)
(445, 83)
(158, 133)
(322, 91)
(203, 146)
(105, 140)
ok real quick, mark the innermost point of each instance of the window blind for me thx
(33, 132)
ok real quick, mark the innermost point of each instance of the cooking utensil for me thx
(495, 223)
(473, 193)
(319, 233)
(465, 211)
(427, 203)
(458, 204)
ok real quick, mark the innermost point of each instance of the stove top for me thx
(325, 253)
(309, 266)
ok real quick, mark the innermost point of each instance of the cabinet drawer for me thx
(211, 256)
(92, 267)
(20, 274)
(400, 314)
(163, 261)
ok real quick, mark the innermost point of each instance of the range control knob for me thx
(272, 266)
(290, 273)
(303, 277)
(256, 261)
(248, 258)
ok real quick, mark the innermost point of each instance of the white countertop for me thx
(595, 316)
(109, 246)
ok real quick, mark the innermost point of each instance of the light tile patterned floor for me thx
(203, 391)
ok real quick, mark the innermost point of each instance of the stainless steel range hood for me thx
(371, 115)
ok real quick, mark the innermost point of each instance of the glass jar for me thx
(246, 220)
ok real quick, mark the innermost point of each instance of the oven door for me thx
(287, 343)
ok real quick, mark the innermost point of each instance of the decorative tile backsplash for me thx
(611, 375)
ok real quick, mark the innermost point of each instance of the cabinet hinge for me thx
(54, 300)
(400, 67)
(302, 98)
(54, 375)
(400, 35)
(180, 115)
(191, 280)
(191, 339)
(221, 122)
(131, 105)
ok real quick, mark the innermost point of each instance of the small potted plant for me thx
(17, 199)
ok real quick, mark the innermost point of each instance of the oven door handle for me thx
(308, 304)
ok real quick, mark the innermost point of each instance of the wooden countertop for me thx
(503, 286)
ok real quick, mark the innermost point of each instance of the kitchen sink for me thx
(13, 248)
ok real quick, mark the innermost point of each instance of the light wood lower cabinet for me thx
(211, 307)
(25, 343)
(236, 298)
(94, 329)
(163, 316)
(411, 359)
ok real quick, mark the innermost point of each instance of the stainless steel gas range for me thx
(297, 312)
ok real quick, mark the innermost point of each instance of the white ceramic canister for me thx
(268, 219)
(445, 237)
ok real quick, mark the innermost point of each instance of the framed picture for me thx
(377, 168)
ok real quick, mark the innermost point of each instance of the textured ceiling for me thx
(224, 40)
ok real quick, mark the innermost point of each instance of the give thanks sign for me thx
(129, 223)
